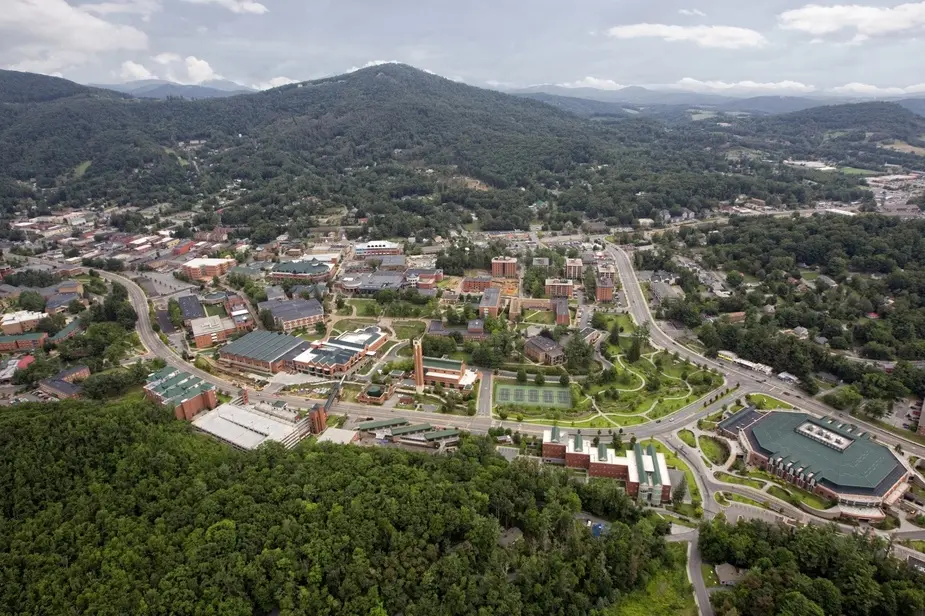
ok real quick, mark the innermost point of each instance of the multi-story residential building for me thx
(21, 342)
(64, 384)
(574, 269)
(490, 304)
(557, 287)
(561, 310)
(504, 267)
(205, 269)
(604, 291)
(475, 284)
(20, 322)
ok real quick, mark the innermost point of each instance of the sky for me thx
(722, 46)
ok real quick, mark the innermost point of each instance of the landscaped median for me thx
(715, 449)
(741, 481)
(791, 493)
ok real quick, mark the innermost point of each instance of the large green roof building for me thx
(836, 460)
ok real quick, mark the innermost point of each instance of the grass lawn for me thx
(767, 402)
(745, 500)
(919, 546)
(346, 311)
(720, 498)
(668, 592)
(540, 317)
(676, 520)
(363, 305)
(348, 325)
(742, 481)
(81, 169)
(215, 310)
(406, 330)
(688, 437)
(790, 493)
(709, 574)
(349, 392)
(716, 450)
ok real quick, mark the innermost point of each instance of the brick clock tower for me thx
(418, 366)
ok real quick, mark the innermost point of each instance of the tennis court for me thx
(552, 396)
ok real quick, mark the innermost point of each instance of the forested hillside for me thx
(119, 509)
(415, 153)
(809, 571)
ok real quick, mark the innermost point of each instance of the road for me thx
(750, 382)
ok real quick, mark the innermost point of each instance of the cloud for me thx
(236, 6)
(593, 82)
(692, 12)
(132, 71)
(51, 35)
(719, 37)
(199, 70)
(189, 70)
(864, 21)
(866, 89)
(166, 58)
(275, 82)
(145, 8)
(775, 87)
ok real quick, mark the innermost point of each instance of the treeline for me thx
(119, 509)
(809, 571)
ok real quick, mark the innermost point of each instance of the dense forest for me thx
(809, 571)
(119, 509)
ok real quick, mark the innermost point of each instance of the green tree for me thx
(267, 320)
(564, 380)
(31, 300)
(522, 376)
(539, 379)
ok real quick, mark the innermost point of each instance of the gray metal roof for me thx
(265, 346)
(292, 309)
(190, 307)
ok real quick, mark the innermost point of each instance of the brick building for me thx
(604, 292)
(63, 385)
(311, 270)
(490, 304)
(339, 355)
(208, 331)
(446, 372)
(574, 269)
(836, 461)
(560, 308)
(643, 469)
(475, 284)
(204, 268)
(263, 351)
(381, 247)
(504, 267)
(187, 394)
(544, 350)
(34, 340)
(557, 287)
(293, 314)
(20, 322)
